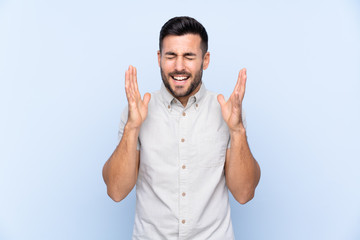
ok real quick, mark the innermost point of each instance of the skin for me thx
(121, 170)
(181, 56)
(242, 172)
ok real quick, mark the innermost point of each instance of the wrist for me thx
(131, 128)
(240, 130)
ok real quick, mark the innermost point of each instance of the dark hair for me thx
(179, 26)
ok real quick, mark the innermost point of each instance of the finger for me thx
(243, 83)
(243, 77)
(237, 85)
(136, 88)
(221, 100)
(146, 99)
(240, 79)
(129, 94)
(131, 82)
(127, 84)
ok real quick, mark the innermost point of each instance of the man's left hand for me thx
(232, 108)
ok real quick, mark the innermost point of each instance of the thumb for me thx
(221, 100)
(146, 98)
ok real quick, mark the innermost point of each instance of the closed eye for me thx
(190, 56)
(170, 55)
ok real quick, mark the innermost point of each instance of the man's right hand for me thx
(121, 170)
(137, 108)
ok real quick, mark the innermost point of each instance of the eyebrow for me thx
(187, 54)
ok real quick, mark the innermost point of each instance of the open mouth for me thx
(180, 78)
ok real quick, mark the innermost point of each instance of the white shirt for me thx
(181, 191)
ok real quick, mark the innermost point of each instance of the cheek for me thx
(195, 67)
(196, 64)
(167, 68)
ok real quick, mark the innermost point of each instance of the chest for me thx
(196, 135)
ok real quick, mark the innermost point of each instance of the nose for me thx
(179, 64)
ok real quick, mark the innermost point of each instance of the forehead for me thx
(180, 44)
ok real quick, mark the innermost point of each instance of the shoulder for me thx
(210, 99)
(155, 99)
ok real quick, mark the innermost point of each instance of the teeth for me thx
(180, 78)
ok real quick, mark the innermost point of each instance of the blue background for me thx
(62, 66)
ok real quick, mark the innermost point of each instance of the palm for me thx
(137, 108)
(232, 109)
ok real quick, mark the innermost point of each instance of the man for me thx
(184, 148)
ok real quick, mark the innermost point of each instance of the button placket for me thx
(183, 174)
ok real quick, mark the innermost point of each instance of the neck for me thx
(184, 99)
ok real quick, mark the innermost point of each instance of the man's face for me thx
(181, 63)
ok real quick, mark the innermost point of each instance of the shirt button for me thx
(197, 105)
(183, 194)
(182, 140)
(184, 114)
(183, 166)
(183, 221)
(174, 100)
(169, 106)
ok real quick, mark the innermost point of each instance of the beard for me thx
(193, 85)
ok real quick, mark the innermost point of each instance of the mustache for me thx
(180, 73)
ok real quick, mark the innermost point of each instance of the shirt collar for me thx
(166, 95)
(200, 94)
(168, 98)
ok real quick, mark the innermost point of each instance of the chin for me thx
(178, 92)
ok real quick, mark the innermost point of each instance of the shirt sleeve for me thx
(123, 120)
(244, 123)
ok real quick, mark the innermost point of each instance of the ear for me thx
(159, 57)
(206, 61)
